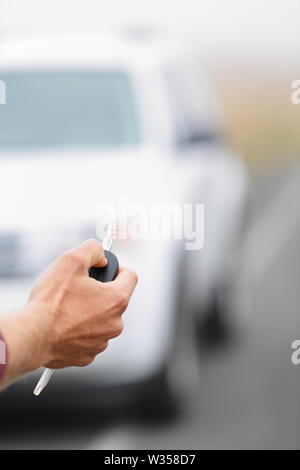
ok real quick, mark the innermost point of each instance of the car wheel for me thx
(212, 328)
(159, 402)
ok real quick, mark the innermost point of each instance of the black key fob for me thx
(109, 272)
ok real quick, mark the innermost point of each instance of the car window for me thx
(190, 117)
(68, 108)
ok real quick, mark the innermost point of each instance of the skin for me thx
(69, 317)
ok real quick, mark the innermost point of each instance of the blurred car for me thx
(92, 118)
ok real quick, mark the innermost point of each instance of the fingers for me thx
(90, 253)
(126, 280)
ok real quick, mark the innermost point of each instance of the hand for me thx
(69, 317)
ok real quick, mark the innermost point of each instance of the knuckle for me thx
(122, 301)
(118, 328)
(85, 361)
(132, 275)
(89, 360)
(93, 243)
(72, 259)
(135, 277)
(102, 347)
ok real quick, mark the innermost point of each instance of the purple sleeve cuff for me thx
(3, 356)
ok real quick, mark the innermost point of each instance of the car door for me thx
(207, 169)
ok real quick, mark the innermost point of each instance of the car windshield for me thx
(68, 109)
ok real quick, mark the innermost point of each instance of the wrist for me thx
(35, 322)
(25, 335)
(3, 356)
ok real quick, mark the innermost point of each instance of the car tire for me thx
(159, 403)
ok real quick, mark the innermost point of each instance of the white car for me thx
(90, 119)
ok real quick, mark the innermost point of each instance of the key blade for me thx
(42, 383)
(110, 233)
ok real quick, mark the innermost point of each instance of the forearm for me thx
(25, 343)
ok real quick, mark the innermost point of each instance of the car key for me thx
(110, 271)
(106, 274)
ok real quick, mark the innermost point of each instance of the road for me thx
(245, 394)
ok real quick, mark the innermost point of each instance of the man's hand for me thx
(69, 317)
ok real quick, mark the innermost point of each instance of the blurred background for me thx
(229, 382)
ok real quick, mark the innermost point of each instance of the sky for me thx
(216, 25)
